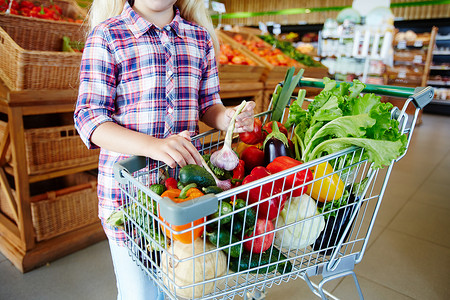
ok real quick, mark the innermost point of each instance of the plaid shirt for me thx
(152, 80)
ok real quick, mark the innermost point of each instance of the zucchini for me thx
(213, 189)
(256, 260)
(195, 174)
(223, 239)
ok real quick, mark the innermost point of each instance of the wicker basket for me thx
(65, 210)
(56, 148)
(45, 35)
(22, 69)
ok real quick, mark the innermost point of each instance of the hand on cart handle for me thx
(244, 121)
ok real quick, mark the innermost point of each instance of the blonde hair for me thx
(191, 10)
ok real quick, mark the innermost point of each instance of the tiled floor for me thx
(408, 256)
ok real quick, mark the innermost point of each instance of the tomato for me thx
(255, 136)
(267, 128)
(171, 183)
(263, 240)
(252, 157)
(223, 59)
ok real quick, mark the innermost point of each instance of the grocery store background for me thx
(408, 256)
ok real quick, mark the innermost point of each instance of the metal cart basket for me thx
(307, 239)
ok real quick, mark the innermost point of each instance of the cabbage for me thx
(349, 14)
(302, 212)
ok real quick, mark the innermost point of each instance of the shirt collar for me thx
(139, 25)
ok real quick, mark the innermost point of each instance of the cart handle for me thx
(173, 213)
(421, 95)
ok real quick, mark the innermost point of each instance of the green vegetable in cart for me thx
(116, 219)
(213, 189)
(255, 262)
(223, 212)
(246, 216)
(339, 118)
(158, 188)
(282, 96)
(195, 174)
(223, 238)
(187, 270)
(304, 223)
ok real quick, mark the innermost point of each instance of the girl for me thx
(148, 74)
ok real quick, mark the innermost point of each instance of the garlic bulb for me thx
(226, 158)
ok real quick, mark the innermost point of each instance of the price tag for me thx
(418, 43)
(417, 59)
(402, 74)
(401, 45)
(218, 7)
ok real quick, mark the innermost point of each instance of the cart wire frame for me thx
(150, 219)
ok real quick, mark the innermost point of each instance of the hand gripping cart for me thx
(227, 260)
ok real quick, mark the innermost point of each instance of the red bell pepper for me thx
(269, 206)
(252, 157)
(298, 179)
(238, 174)
(254, 137)
(267, 128)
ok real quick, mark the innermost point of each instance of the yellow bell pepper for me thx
(328, 188)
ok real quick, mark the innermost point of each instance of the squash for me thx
(181, 270)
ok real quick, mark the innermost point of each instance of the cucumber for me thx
(223, 210)
(158, 188)
(237, 227)
(247, 216)
(195, 174)
(223, 239)
(256, 260)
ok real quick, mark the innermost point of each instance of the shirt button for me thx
(170, 110)
(169, 73)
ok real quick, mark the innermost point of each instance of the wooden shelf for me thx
(17, 239)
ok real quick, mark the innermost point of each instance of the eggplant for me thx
(276, 144)
(274, 148)
(335, 226)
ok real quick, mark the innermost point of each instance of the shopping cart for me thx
(225, 261)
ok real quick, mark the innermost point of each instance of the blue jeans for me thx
(132, 282)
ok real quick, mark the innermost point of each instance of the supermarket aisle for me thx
(408, 256)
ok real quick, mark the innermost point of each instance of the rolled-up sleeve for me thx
(97, 91)
(209, 87)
